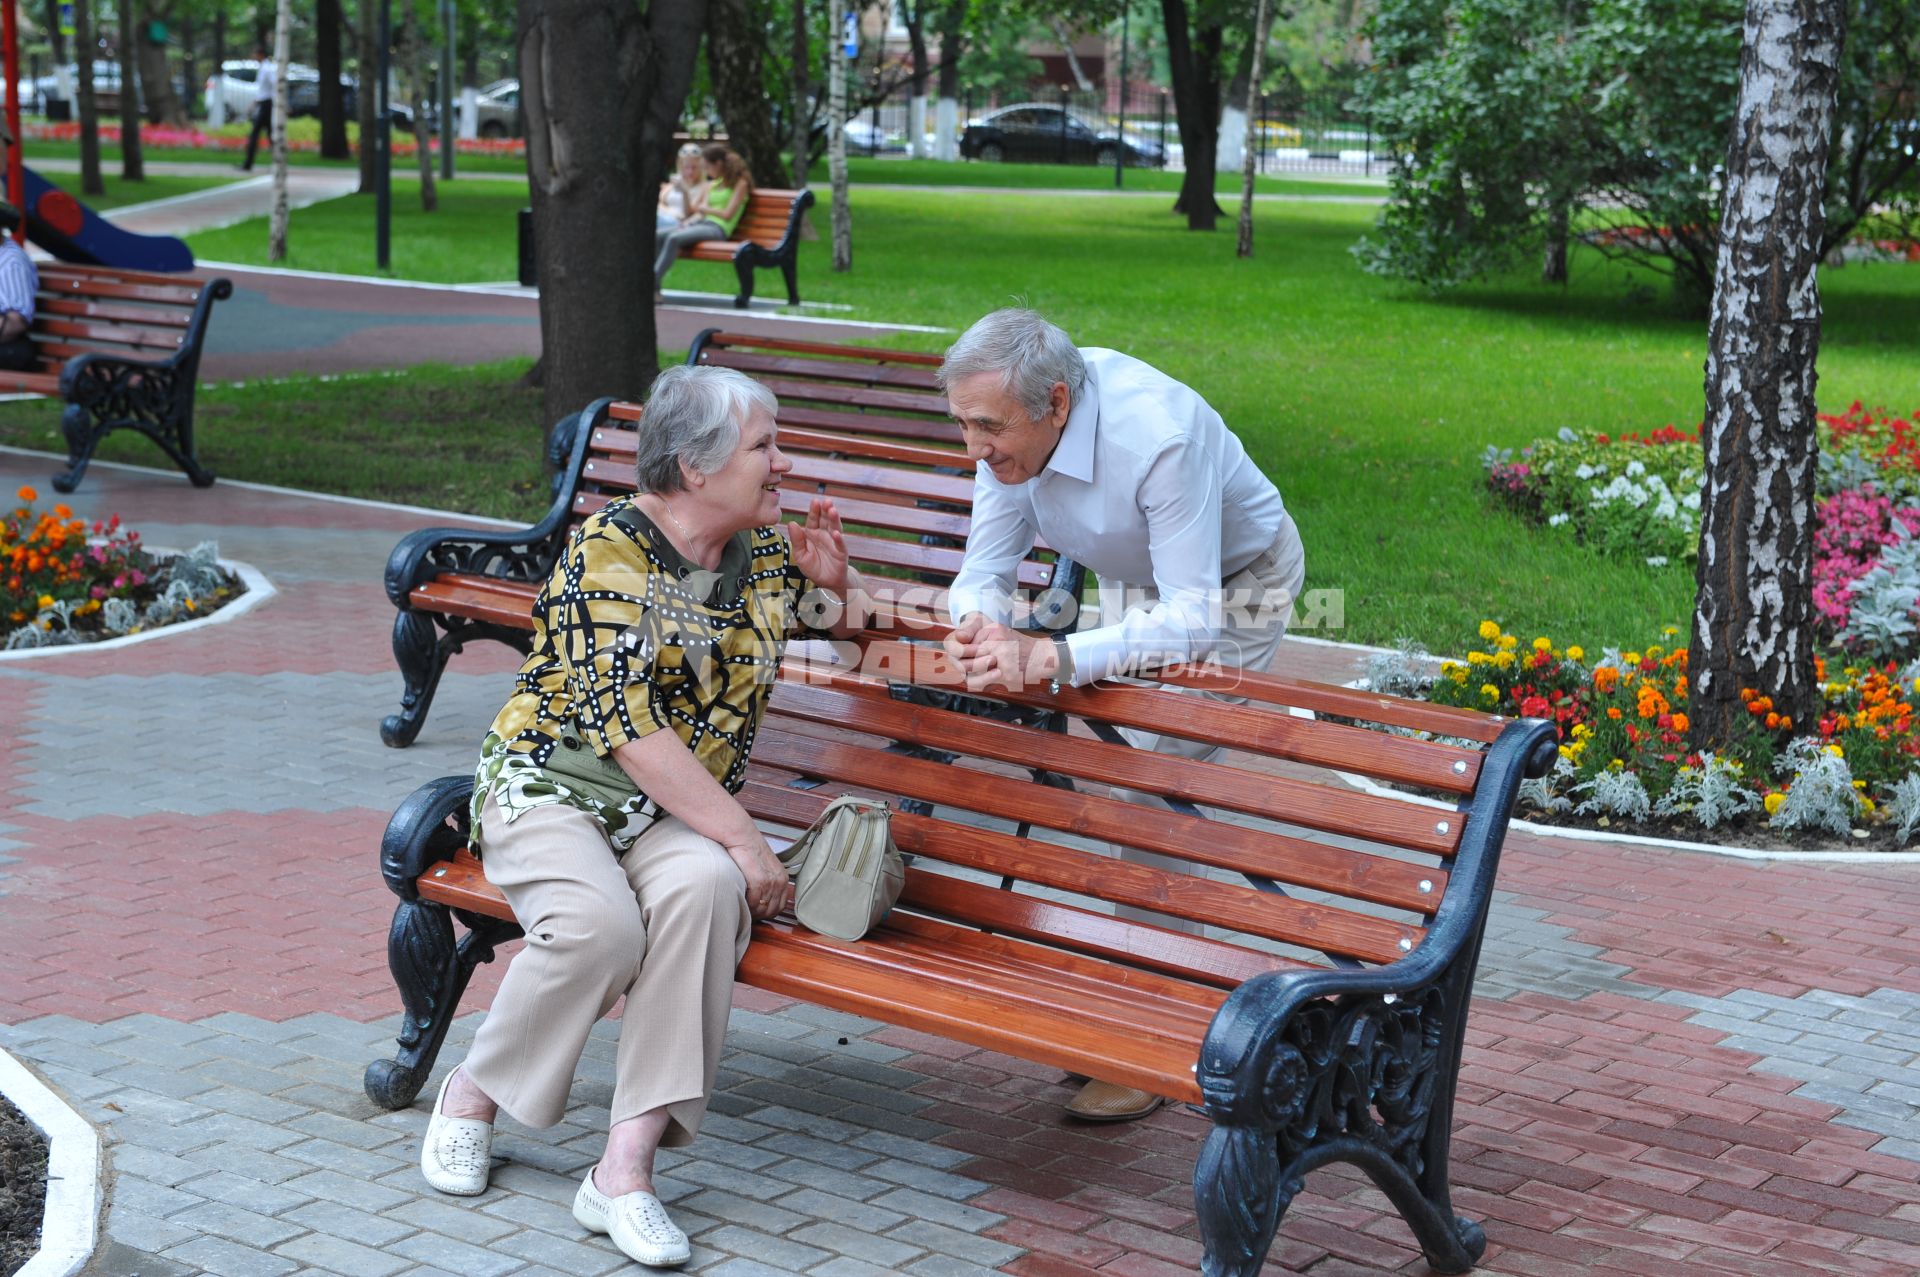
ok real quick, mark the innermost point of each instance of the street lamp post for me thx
(1120, 150)
(383, 147)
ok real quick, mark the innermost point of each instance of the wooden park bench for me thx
(1319, 1018)
(123, 349)
(891, 459)
(767, 234)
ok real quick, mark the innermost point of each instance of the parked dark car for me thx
(1035, 132)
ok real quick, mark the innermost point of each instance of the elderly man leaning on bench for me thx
(1133, 475)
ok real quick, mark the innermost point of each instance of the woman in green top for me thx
(713, 216)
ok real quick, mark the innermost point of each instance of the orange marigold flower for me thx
(1680, 722)
(28, 494)
(1613, 712)
(1773, 721)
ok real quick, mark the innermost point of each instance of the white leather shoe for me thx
(637, 1222)
(457, 1153)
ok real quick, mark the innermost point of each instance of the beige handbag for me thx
(846, 871)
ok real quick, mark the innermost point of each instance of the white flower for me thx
(1692, 501)
(1635, 469)
(1657, 561)
(1583, 471)
(1555, 520)
(1567, 435)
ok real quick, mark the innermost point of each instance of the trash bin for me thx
(59, 110)
(529, 268)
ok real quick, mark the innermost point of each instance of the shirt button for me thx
(570, 742)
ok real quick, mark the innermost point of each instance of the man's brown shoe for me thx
(1107, 1102)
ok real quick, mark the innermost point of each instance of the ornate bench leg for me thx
(176, 441)
(744, 269)
(432, 972)
(1239, 1197)
(422, 659)
(790, 269)
(77, 424)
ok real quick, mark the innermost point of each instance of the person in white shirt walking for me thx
(262, 106)
(1127, 471)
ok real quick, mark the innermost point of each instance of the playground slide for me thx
(73, 232)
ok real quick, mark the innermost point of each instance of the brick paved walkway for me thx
(1676, 1062)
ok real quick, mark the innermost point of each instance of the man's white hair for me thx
(1029, 353)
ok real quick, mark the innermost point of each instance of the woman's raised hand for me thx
(820, 547)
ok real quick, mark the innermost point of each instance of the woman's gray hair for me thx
(694, 416)
(1029, 353)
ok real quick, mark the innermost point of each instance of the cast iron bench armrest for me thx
(518, 554)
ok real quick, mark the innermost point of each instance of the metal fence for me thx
(1092, 127)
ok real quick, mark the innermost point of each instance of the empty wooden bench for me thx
(767, 234)
(123, 349)
(1319, 1018)
(905, 495)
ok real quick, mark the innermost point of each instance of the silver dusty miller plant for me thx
(1614, 793)
(1542, 793)
(1880, 623)
(1820, 794)
(1714, 792)
(1402, 671)
(1903, 808)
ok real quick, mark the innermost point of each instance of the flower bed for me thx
(160, 137)
(1852, 775)
(63, 581)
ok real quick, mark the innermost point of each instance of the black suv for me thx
(1033, 131)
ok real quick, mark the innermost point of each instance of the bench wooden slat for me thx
(816, 392)
(610, 468)
(174, 293)
(886, 974)
(623, 445)
(1402, 760)
(147, 342)
(909, 377)
(40, 381)
(1379, 879)
(719, 340)
(1347, 702)
(1329, 929)
(116, 274)
(81, 307)
(932, 429)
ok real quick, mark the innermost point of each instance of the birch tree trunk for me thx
(1753, 613)
(1262, 28)
(277, 225)
(412, 41)
(837, 143)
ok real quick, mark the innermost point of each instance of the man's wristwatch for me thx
(1063, 668)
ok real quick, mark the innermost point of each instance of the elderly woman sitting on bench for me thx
(604, 808)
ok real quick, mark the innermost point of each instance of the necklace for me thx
(676, 522)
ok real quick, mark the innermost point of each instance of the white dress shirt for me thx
(1147, 484)
(263, 81)
(18, 279)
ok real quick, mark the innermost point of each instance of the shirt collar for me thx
(1073, 455)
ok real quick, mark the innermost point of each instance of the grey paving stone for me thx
(163, 1081)
(531, 1181)
(562, 1255)
(923, 1206)
(349, 1222)
(253, 1028)
(461, 1221)
(792, 1144)
(256, 1103)
(947, 1266)
(141, 1231)
(748, 1157)
(846, 1267)
(732, 1207)
(227, 1259)
(157, 1200)
(153, 1166)
(728, 1179)
(338, 1255)
(150, 1028)
(928, 1180)
(775, 1026)
(346, 1190)
(857, 1048)
(956, 1243)
(776, 1252)
(344, 1130)
(340, 1157)
(891, 1145)
(902, 1124)
(1908, 1148)
(534, 1212)
(238, 1190)
(857, 1215)
(268, 1168)
(237, 1223)
(847, 1184)
(455, 1256)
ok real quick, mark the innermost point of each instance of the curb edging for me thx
(70, 1220)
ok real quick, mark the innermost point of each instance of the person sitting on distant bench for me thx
(713, 215)
(680, 193)
(19, 281)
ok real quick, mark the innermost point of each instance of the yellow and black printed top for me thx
(630, 638)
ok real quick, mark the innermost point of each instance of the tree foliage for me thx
(1510, 118)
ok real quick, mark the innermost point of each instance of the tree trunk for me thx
(1753, 622)
(603, 85)
(132, 167)
(1553, 258)
(156, 83)
(1262, 28)
(333, 102)
(410, 40)
(800, 113)
(220, 57)
(91, 182)
(58, 40)
(950, 25)
(1194, 60)
(736, 61)
(368, 98)
(837, 143)
(189, 67)
(277, 223)
(913, 17)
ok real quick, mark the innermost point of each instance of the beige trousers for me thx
(1257, 602)
(664, 926)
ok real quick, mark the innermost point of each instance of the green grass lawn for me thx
(1368, 402)
(360, 436)
(120, 193)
